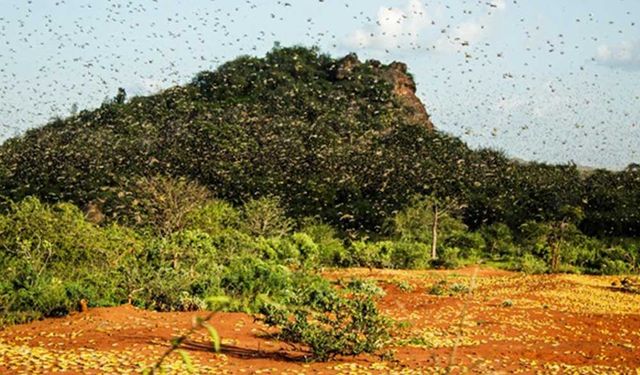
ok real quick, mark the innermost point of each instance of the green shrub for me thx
(232, 243)
(532, 265)
(498, 241)
(409, 255)
(458, 288)
(213, 217)
(53, 258)
(277, 249)
(331, 250)
(309, 251)
(265, 217)
(363, 254)
(438, 289)
(469, 244)
(403, 285)
(342, 322)
(368, 287)
(614, 267)
(447, 259)
(248, 279)
(443, 287)
(170, 271)
(297, 249)
(51, 235)
(160, 204)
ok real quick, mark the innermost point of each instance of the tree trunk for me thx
(434, 233)
(555, 249)
(555, 257)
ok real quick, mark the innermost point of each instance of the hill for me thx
(339, 139)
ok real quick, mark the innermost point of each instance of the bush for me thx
(469, 244)
(213, 217)
(278, 249)
(443, 287)
(51, 235)
(52, 258)
(341, 322)
(409, 255)
(308, 250)
(265, 217)
(249, 279)
(364, 254)
(448, 258)
(531, 265)
(160, 204)
(388, 254)
(614, 267)
(232, 243)
(498, 240)
(169, 271)
(331, 250)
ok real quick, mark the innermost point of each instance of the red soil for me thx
(543, 331)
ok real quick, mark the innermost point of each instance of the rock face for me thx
(404, 87)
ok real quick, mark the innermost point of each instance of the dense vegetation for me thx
(329, 138)
(249, 179)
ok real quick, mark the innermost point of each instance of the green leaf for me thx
(186, 359)
(213, 334)
(217, 302)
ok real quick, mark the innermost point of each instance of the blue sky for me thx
(555, 81)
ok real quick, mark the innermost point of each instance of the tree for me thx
(553, 239)
(160, 203)
(121, 96)
(265, 217)
(570, 216)
(427, 220)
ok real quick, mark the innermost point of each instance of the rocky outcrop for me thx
(404, 87)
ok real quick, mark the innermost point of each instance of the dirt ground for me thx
(509, 323)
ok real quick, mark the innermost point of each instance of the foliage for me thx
(408, 255)
(448, 259)
(53, 258)
(249, 279)
(331, 249)
(370, 254)
(414, 222)
(265, 217)
(328, 137)
(159, 203)
(443, 287)
(531, 265)
(498, 240)
(330, 323)
(213, 217)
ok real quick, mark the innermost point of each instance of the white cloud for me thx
(471, 31)
(394, 28)
(625, 55)
(146, 86)
(413, 27)
(466, 32)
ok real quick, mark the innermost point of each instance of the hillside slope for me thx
(344, 140)
(293, 122)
